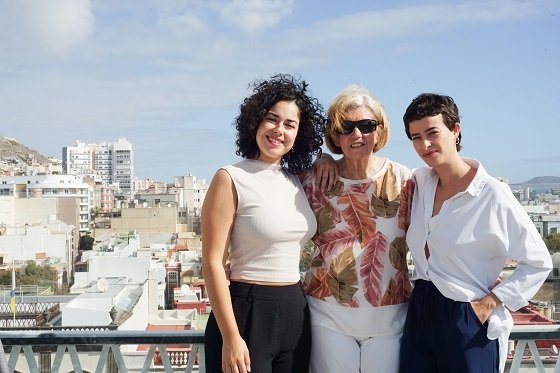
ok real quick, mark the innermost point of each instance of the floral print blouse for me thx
(359, 257)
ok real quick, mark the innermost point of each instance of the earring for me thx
(456, 141)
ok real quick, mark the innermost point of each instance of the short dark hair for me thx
(266, 93)
(429, 105)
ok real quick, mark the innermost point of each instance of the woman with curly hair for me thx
(255, 222)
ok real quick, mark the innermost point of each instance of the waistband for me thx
(253, 291)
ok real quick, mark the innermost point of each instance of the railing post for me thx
(45, 362)
(111, 366)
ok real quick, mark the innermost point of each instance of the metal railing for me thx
(527, 356)
(48, 350)
(92, 351)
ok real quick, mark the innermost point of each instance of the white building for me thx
(112, 161)
(77, 159)
(546, 224)
(57, 187)
(192, 192)
(52, 242)
(187, 193)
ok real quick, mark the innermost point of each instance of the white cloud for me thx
(254, 16)
(249, 16)
(415, 20)
(53, 25)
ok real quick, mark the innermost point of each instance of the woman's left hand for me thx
(484, 307)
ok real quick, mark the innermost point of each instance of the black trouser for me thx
(273, 321)
(444, 336)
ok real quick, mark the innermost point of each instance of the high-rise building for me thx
(77, 159)
(113, 162)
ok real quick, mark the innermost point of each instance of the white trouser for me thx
(333, 352)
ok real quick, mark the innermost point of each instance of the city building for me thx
(113, 162)
(72, 198)
(546, 224)
(187, 192)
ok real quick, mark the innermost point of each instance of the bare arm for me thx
(218, 215)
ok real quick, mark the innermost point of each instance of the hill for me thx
(18, 159)
(543, 180)
(13, 150)
(539, 183)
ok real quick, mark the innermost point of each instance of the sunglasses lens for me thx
(364, 125)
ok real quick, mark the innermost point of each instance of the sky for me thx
(169, 75)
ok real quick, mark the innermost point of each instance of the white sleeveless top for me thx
(272, 223)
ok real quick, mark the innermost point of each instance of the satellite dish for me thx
(102, 285)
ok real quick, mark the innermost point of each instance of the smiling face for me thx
(277, 132)
(433, 141)
(357, 145)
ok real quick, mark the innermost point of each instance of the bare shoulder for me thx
(221, 191)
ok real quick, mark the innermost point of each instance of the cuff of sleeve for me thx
(510, 296)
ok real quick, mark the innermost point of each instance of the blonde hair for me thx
(349, 98)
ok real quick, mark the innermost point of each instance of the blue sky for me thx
(169, 75)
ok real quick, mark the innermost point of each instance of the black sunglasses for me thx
(364, 125)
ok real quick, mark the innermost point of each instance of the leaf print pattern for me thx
(397, 254)
(336, 239)
(317, 261)
(398, 291)
(342, 277)
(388, 187)
(383, 208)
(391, 295)
(316, 285)
(372, 267)
(354, 206)
(404, 285)
(385, 199)
(314, 195)
(336, 190)
(326, 218)
(407, 191)
(355, 264)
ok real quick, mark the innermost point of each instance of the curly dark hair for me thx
(429, 105)
(266, 93)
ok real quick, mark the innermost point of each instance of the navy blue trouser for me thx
(274, 322)
(444, 336)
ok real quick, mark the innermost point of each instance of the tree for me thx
(33, 274)
(552, 241)
(86, 242)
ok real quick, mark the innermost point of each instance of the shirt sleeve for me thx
(526, 247)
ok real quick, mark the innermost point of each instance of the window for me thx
(172, 277)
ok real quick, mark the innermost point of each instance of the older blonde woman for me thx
(357, 284)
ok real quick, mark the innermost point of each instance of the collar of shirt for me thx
(477, 183)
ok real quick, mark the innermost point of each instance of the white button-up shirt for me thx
(470, 240)
(472, 237)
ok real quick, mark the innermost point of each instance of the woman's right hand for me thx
(235, 356)
(326, 172)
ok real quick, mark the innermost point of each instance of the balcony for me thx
(88, 351)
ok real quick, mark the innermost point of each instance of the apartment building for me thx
(73, 198)
(187, 193)
(113, 162)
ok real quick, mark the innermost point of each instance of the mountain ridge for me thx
(540, 180)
